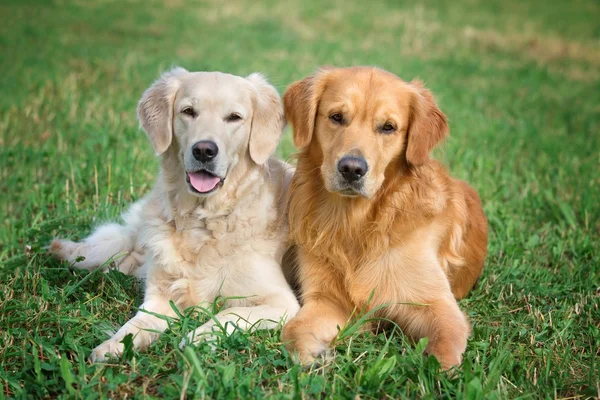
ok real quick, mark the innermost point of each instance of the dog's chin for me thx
(346, 190)
(203, 183)
(350, 192)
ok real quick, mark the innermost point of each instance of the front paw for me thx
(62, 249)
(205, 333)
(107, 350)
(305, 345)
(447, 354)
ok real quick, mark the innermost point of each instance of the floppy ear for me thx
(427, 125)
(267, 122)
(155, 109)
(301, 101)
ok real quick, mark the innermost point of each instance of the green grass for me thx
(519, 81)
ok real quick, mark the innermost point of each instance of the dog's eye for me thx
(388, 127)
(338, 118)
(233, 117)
(189, 111)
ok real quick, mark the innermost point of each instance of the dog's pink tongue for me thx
(203, 181)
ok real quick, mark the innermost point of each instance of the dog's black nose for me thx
(352, 168)
(205, 150)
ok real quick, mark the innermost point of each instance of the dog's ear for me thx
(155, 109)
(268, 121)
(427, 126)
(301, 101)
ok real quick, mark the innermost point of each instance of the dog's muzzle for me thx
(349, 180)
(204, 180)
(352, 168)
(205, 150)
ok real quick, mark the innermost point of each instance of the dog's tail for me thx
(109, 243)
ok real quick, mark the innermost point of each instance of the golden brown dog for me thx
(371, 213)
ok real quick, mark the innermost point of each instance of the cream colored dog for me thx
(214, 224)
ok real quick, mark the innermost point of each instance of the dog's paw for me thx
(307, 351)
(307, 357)
(107, 350)
(306, 344)
(203, 334)
(62, 249)
(447, 357)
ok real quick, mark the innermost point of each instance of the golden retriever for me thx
(214, 224)
(373, 215)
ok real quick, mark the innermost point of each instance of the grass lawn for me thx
(519, 81)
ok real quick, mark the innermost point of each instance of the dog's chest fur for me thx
(196, 249)
(388, 249)
(226, 232)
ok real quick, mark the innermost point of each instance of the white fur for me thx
(197, 247)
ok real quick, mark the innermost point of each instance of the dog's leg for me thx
(266, 316)
(243, 318)
(106, 242)
(311, 333)
(144, 326)
(326, 309)
(443, 323)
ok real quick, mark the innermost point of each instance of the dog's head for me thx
(213, 120)
(364, 124)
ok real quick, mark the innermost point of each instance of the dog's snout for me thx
(205, 150)
(352, 168)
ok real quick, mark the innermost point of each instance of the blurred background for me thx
(518, 80)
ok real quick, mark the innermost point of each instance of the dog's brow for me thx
(338, 106)
(236, 108)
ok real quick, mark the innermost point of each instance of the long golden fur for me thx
(410, 233)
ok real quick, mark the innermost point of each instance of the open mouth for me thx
(203, 182)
